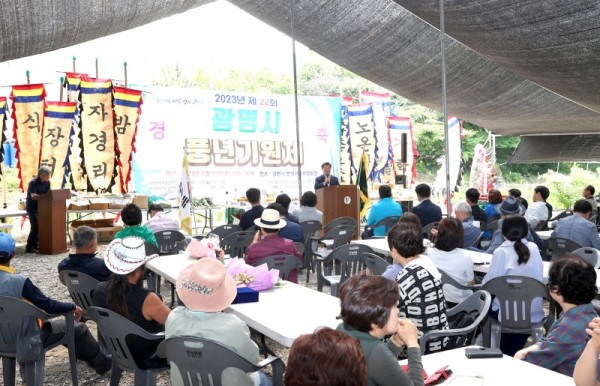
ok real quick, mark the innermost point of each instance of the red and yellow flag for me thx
(28, 116)
(127, 108)
(58, 122)
(97, 133)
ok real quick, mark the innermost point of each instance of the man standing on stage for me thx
(37, 187)
(326, 179)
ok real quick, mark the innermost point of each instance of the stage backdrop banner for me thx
(28, 117)
(77, 173)
(58, 120)
(128, 108)
(97, 132)
(233, 141)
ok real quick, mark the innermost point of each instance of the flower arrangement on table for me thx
(258, 278)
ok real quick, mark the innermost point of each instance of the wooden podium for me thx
(52, 220)
(339, 201)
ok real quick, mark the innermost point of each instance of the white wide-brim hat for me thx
(123, 256)
(206, 286)
(270, 219)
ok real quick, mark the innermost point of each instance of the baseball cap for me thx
(7, 245)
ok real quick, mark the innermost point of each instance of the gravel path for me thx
(42, 270)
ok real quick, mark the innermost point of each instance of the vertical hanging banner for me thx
(58, 120)
(405, 150)
(455, 156)
(345, 154)
(2, 125)
(97, 132)
(28, 117)
(75, 161)
(185, 198)
(362, 135)
(381, 111)
(128, 104)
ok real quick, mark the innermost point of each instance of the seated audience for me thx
(19, 286)
(206, 289)
(588, 195)
(123, 293)
(516, 193)
(539, 210)
(285, 201)
(267, 241)
(159, 221)
(84, 259)
(386, 207)
(426, 210)
(494, 198)
(578, 227)
(421, 295)
(292, 230)
(447, 257)
(307, 210)
(132, 218)
(516, 256)
(369, 313)
(462, 211)
(326, 357)
(572, 284)
(472, 197)
(394, 268)
(511, 206)
(248, 217)
(586, 369)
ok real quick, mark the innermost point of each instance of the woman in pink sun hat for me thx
(206, 289)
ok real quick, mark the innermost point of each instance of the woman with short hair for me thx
(369, 313)
(307, 210)
(326, 357)
(448, 257)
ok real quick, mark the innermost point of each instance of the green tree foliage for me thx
(566, 188)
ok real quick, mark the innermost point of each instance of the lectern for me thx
(338, 201)
(52, 220)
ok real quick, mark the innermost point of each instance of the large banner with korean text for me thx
(233, 141)
(58, 122)
(28, 118)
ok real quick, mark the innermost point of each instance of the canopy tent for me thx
(514, 67)
(557, 148)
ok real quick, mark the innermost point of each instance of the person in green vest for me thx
(131, 215)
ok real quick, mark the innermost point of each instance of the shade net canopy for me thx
(557, 148)
(513, 66)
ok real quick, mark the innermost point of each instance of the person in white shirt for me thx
(160, 221)
(449, 258)
(539, 210)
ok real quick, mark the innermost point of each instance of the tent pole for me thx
(445, 110)
(299, 149)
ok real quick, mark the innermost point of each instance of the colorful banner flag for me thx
(97, 132)
(381, 111)
(58, 121)
(128, 104)
(2, 126)
(361, 181)
(404, 147)
(362, 135)
(28, 114)
(345, 154)
(185, 197)
(77, 173)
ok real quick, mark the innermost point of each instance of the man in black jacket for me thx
(326, 179)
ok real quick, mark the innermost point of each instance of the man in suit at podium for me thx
(37, 186)
(326, 179)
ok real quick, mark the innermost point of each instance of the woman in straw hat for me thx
(206, 289)
(124, 294)
(268, 243)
